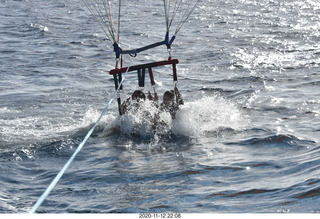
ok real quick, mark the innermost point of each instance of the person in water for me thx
(171, 101)
(137, 98)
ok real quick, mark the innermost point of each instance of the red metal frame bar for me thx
(144, 66)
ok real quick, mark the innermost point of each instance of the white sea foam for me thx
(208, 114)
(16, 127)
(40, 27)
(194, 119)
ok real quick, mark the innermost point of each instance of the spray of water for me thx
(193, 119)
(208, 114)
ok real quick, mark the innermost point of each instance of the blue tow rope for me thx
(65, 167)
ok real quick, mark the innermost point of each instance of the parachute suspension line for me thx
(106, 12)
(166, 13)
(80, 146)
(186, 16)
(101, 10)
(109, 14)
(119, 16)
(172, 12)
(176, 12)
(100, 23)
(107, 9)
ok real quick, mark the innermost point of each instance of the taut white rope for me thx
(65, 167)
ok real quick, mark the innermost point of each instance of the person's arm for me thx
(124, 106)
(179, 99)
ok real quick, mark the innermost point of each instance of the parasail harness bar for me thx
(133, 52)
(141, 71)
(172, 62)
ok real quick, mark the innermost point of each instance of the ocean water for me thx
(245, 141)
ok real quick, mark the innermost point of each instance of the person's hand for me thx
(176, 90)
(156, 98)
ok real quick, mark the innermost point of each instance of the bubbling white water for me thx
(193, 119)
(208, 114)
(139, 121)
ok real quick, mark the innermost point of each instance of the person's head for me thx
(138, 96)
(168, 98)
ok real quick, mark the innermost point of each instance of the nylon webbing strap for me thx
(151, 76)
(117, 78)
(175, 77)
(141, 76)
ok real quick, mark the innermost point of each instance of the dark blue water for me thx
(246, 140)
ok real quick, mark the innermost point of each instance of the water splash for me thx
(193, 119)
(208, 114)
(139, 121)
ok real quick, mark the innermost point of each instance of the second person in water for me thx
(172, 99)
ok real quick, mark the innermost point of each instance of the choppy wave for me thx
(278, 141)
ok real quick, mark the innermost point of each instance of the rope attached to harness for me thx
(65, 167)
